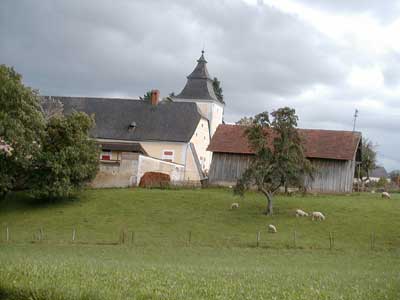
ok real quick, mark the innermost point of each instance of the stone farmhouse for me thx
(170, 136)
(184, 136)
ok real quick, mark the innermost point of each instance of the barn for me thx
(333, 153)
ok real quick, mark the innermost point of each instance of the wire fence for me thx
(293, 239)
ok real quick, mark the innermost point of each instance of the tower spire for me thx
(199, 83)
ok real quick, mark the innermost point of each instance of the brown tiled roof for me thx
(328, 144)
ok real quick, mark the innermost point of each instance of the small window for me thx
(106, 155)
(168, 155)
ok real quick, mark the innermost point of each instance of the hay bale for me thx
(155, 180)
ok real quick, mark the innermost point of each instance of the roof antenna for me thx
(355, 119)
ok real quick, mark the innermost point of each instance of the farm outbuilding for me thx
(333, 153)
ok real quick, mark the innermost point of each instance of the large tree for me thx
(395, 177)
(146, 96)
(21, 129)
(279, 158)
(368, 160)
(245, 121)
(41, 150)
(218, 89)
(68, 158)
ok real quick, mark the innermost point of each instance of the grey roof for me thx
(167, 121)
(379, 172)
(199, 83)
(131, 147)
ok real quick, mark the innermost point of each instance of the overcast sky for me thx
(324, 58)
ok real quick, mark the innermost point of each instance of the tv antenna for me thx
(355, 119)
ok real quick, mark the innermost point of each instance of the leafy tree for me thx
(382, 182)
(41, 150)
(21, 129)
(245, 121)
(218, 89)
(279, 155)
(51, 107)
(395, 177)
(68, 158)
(368, 160)
(146, 96)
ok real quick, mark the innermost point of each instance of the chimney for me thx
(155, 95)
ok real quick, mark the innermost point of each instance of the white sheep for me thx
(271, 228)
(385, 195)
(316, 215)
(235, 205)
(301, 213)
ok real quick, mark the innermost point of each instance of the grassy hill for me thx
(221, 261)
(162, 217)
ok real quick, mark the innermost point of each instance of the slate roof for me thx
(199, 83)
(167, 121)
(134, 147)
(379, 172)
(327, 144)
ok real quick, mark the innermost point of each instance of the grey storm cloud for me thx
(265, 58)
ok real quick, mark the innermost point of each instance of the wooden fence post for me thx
(258, 238)
(189, 237)
(7, 234)
(133, 238)
(372, 240)
(73, 234)
(295, 238)
(330, 240)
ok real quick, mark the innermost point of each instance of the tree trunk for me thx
(269, 210)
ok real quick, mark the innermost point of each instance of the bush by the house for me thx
(48, 157)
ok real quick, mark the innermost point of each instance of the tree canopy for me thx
(245, 121)
(368, 159)
(218, 89)
(21, 128)
(146, 96)
(279, 155)
(41, 150)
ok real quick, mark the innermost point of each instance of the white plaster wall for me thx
(149, 164)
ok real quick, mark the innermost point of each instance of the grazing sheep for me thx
(235, 205)
(385, 195)
(316, 215)
(373, 192)
(271, 228)
(301, 213)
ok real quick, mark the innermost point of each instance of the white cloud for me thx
(367, 78)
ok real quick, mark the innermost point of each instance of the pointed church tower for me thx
(199, 89)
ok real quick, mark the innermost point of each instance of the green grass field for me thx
(221, 261)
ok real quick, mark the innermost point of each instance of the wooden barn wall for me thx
(226, 168)
(331, 176)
